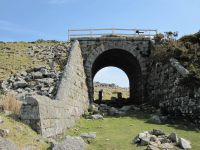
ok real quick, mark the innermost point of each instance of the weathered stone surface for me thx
(88, 136)
(37, 75)
(70, 143)
(7, 145)
(97, 116)
(51, 117)
(156, 140)
(20, 84)
(155, 119)
(184, 72)
(173, 137)
(184, 144)
(157, 132)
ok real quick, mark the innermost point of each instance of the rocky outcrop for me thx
(39, 80)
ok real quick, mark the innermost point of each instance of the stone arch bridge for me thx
(156, 83)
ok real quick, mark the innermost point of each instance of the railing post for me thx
(68, 35)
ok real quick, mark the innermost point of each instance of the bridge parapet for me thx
(110, 32)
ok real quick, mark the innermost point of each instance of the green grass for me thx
(117, 133)
(22, 135)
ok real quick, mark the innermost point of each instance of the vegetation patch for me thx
(117, 133)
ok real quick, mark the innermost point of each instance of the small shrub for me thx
(189, 38)
(158, 38)
(10, 103)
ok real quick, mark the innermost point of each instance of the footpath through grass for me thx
(117, 133)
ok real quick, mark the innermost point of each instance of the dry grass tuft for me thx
(10, 103)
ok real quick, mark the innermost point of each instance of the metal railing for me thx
(78, 33)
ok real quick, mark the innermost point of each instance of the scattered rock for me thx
(20, 84)
(157, 132)
(87, 136)
(155, 119)
(173, 137)
(97, 116)
(37, 75)
(156, 140)
(184, 144)
(70, 143)
(126, 108)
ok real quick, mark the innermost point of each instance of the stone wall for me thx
(167, 90)
(134, 64)
(51, 117)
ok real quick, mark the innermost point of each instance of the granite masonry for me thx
(51, 117)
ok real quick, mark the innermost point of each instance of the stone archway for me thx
(128, 63)
(129, 54)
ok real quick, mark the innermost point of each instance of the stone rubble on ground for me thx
(96, 116)
(39, 80)
(88, 136)
(158, 140)
(70, 143)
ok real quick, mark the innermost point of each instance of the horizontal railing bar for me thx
(111, 34)
(111, 29)
(96, 32)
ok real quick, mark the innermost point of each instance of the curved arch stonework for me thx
(138, 48)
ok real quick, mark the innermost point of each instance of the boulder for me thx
(88, 136)
(145, 141)
(36, 75)
(125, 108)
(97, 116)
(113, 111)
(70, 143)
(155, 119)
(184, 144)
(20, 84)
(173, 137)
(157, 132)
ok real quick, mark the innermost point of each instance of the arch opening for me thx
(128, 63)
(110, 83)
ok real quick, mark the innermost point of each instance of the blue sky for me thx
(28, 20)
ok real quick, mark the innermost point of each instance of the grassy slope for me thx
(109, 92)
(14, 57)
(22, 135)
(117, 133)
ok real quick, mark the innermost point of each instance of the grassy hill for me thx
(109, 91)
(16, 56)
